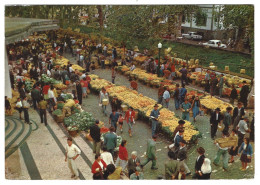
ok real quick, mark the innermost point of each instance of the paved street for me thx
(50, 141)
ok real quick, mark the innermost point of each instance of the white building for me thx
(208, 24)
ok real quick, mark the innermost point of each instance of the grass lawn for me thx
(235, 61)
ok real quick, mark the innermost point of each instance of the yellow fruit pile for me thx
(98, 83)
(166, 114)
(60, 86)
(61, 61)
(140, 58)
(213, 103)
(125, 68)
(131, 97)
(77, 67)
(144, 104)
(141, 74)
(13, 100)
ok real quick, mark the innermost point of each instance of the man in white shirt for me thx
(107, 156)
(166, 97)
(242, 128)
(52, 98)
(70, 68)
(72, 153)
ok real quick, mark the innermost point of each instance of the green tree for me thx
(240, 17)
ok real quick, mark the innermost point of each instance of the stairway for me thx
(16, 133)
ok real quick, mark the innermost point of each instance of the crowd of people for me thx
(36, 60)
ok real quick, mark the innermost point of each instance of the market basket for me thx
(73, 133)
(105, 102)
(59, 118)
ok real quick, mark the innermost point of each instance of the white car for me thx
(215, 44)
(192, 36)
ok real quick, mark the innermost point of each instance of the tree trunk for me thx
(178, 29)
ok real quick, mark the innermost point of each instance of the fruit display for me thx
(61, 61)
(97, 83)
(145, 105)
(13, 100)
(140, 58)
(212, 103)
(60, 86)
(77, 67)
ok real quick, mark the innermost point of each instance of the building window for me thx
(201, 18)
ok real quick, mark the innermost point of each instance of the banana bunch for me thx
(92, 76)
(60, 86)
(99, 83)
(213, 103)
(77, 67)
(61, 61)
(125, 68)
(166, 114)
(140, 58)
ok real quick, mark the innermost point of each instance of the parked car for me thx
(215, 44)
(192, 36)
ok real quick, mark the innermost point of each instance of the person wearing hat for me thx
(185, 108)
(227, 118)
(154, 117)
(95, 134)
(220, 85)
(242, 128)
(182, 155)
(178, 128)
(215, 119)
(222, 151)
(138, 175)
(244, 94)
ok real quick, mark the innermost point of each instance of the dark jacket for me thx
(36, 95)
(110, 141)
(95, 133)
(213, 118)
(131, 164)
(233, 94)
(244, 92)
(79, 89)
(199, 163)
(182, 154)
(22, 93)
(235, 112)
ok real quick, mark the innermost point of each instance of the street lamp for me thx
(158, 67)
